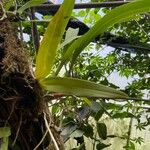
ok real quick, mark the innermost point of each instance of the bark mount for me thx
(22, 105)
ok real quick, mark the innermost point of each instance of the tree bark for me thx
(22, 106)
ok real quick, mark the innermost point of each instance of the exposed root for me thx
(20, 122)
(37, 146)
(50, 133)
(11, 112)
(3, 11)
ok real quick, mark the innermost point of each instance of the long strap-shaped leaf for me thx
(72, 86)
(51, 39)
(117, 15)
(29, 4)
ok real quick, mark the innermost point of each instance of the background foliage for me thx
(117, 65)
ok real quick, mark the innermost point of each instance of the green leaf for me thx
(99, 114)
(123, 115)
(51, 39)
(4, 134)
(73, 86)
(102, 131)
(100, 146)
(29, 4)
(55, 109)
(4, 144)
(87, 129)
(132, 146)
(117, 15)
(8, 4)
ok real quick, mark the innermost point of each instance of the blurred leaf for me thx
(113, 106)
(131, 146)
(81, 147)
(102, 130)
(47, 51)
(4, 134)
(4, 143)
(88, 130)
(140, 126)
(87, 101)
(100, 146)
(99, 114)
(139, 140)
(47, 17)
(72, 86)
(111, 136)
(69, 119)
(8, 4)
(123, 115)
(55, 109)
(82, 13)
(29, 4)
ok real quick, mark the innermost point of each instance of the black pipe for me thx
(54, 7)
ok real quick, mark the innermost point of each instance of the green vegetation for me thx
(74, 77)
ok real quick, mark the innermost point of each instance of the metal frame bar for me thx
(54, 7)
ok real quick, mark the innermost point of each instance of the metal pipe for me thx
(54, 7)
